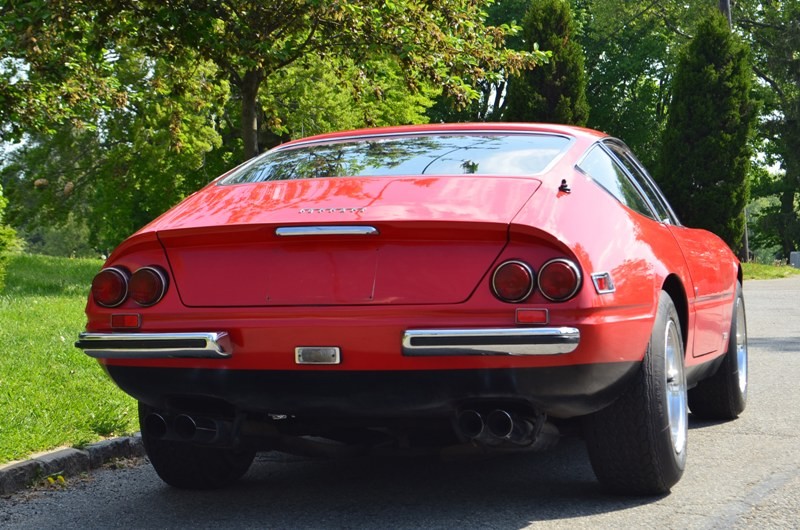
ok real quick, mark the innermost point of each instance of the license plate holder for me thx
(317, 355)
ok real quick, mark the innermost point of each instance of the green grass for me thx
(756, 271)
(51, 394)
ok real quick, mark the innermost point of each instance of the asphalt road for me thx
(740, 474)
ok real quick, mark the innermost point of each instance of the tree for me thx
(556, 91)
(491, 101)
(121, 171)
(772, 30)
(705, 153)
(441, 41)
(128, 106)
(52, 69)
(630, 52)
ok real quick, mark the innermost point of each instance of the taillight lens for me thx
(512, 281)
(559, 280)
(148, 285)
(110, 287)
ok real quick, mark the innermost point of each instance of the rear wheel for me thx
(723, 396)
(189, 466)
(637, 445)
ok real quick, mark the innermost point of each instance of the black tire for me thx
(637, 445)
(188, 466)
(723, 396)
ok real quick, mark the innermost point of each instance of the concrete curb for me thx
(67, 462)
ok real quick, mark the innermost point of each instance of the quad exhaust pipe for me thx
(499, 426)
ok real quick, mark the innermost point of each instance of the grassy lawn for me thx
(755, 271)
(51, 394)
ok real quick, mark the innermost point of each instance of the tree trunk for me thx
(788, 218)
(249, 88)
(725, 9)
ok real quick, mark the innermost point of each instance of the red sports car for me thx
(478, 285)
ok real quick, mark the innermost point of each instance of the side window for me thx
(644, 180)
(604, 170)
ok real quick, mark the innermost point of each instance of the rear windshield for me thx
(445, 154)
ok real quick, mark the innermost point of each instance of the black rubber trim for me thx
(126, 344)
(488, 341)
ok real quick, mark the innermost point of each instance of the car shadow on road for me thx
(406, 492)
(775, 344)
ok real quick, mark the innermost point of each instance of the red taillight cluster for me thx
(113, 285)
(558, 280)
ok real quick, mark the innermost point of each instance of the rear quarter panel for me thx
(605, 236)
(714, 272)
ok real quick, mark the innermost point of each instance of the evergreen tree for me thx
(554, 92)
(705, 154)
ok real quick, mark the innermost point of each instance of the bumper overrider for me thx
(562, 391)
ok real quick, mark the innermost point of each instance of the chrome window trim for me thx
(210, 345)
(636, 187)
(658, 195)
(491, 341)
(339, 139)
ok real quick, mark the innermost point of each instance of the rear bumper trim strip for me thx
(212, 345)
(491, 341)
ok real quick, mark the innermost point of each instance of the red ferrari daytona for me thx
(485, 286)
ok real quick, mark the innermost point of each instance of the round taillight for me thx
(512, 281)
(110, 287)
(148, 285)
(559, 280)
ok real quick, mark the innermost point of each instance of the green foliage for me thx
(300, 101)
(772, 31)
(491, 100)
(53, 69)
(133, 165)
(131, 105)
(70, 240)
(705, 152)
(7, 240)
(554, 92)
(443, 42)
(631, 52)
(760, 271)
(51, 394)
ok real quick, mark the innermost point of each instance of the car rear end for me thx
(292, 306)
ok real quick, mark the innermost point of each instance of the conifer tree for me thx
(704, 159)
(554, 92)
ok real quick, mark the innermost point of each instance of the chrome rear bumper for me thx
(422, 342)
(491, 341)
(214, 345)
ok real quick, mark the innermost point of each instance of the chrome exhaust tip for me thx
(470, 423)
(500, 423)
(155, 425)
(185, 427)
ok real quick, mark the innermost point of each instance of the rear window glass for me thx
(446, 154)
